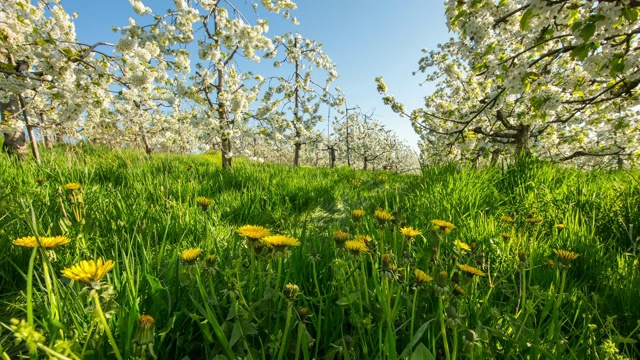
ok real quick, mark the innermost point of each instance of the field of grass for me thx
(486, 288)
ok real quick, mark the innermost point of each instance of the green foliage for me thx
(141, 212)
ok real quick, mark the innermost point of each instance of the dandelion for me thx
(190, 256)
(442, 281)
(442, 225)
(45, 242)
(291, 291)
(565, 257)
(356, 247)
(340, 237)
(253, 232)
(458, 290)
(362, 238)
(560, 226)
(421, 277)
(471, 271)
(410, 232)
(211, 261)
(357, 215)
(39, 181)
(73, 186)
(383, 216)
(279, 242)
(522, 256)
(303, 312)
(533, 220)
(204, 202)
(505, 236)
(507, 218)
(143, 339)
(88, 271)
(462, 245)
(550, 264)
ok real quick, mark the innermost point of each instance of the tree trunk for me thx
(364, 160)
(296, 154)
(32, 138)
(522, 140)
(332, 157)
(147, 148)
(226, 151)
(15, 142)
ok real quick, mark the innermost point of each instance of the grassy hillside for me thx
(322, 298)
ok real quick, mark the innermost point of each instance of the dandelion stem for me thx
(443, 329)
(103, 321)
(285, 333)
(413, 313)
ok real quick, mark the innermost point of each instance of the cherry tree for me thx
(554, 78)
(300, 94)
(46, 76)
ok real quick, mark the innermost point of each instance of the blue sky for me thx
(364, 38)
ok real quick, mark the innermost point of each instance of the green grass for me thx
(141, 212)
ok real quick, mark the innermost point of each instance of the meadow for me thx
(527, 261)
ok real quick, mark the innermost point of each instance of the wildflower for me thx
(39, 181)
(291, 291)
(279, 242)
(462, 245)
(560, 226)
(442, 225)
(362, 238)
(410, 232)
(565, 257)
(356, 247)
(522, 257)
(507, 218)
(471, 340)
(88, 271)
(72, 186)
(441, 287)
(211, 261)
(458, 290)
(303, 312)
(421, 277)
(45, 242)
(471, 271)
(143, 339)
(357, 215)
(204, 202)
(253, 232)
(453, 319)
(505, 236)
(383, 216)
(340, 237)
(190, 256)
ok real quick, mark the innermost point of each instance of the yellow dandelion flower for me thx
(386, 259)
(566, 257)
(357, 214)
(279, 242)
(458, 290)
(204, 202)
(340, 236)
(505, 236)
(507, 218)
(88, 271)
(533, 220)
(442, 225)
(291, 291)
(421, 277)
(211, 261)
(471, 271)
(462, 245)
(190, 255)
(73, 186)
(560, 226)
(40, 181)
(46, 242)
(362, 238)
(356, 247)
(383, 216)
(410, 232)
(253, 232)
